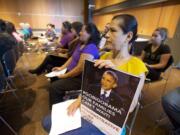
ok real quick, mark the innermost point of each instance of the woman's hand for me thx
(56, 68)
(62, 76)
(72, 108)
(104, 63)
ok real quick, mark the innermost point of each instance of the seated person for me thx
(50, 32)
(55, 60)
(48, 38)
(71, 80)
(171, 106)
(156, 55)
(24, 31)
(7, 41)
(103, 43)
(66, 35)
(29, 29)
(10, 28)
(123, 31)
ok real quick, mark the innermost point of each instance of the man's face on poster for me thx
(108, 82)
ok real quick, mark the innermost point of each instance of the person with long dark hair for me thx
(122, 33)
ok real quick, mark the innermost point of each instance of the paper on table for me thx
(61, 122)
(56, 73)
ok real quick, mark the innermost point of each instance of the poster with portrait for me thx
(107, 95)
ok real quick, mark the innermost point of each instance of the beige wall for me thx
(104, 3)
(149, 17)
(40, 12)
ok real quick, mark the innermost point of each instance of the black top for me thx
(6, 43)
(154, 57)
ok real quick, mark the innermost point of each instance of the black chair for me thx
(9, 62)
(3, 87)
(164, 78)
(132, 118)
(137, 48)
(16, 52)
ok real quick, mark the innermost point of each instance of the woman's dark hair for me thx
(10, 28)
(67, 25)
(2, 26)
(51, 25)
(77, 26)
(94, 33)
(129, 23)
(163, 32)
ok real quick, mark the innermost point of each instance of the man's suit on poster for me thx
(114, 100)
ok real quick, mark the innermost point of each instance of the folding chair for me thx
(9, 61)
(149, 82)
(3, 86)
(132, 118)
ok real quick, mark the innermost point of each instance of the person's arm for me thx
(63, 66)
(61, 50)
(138, 92)
(163, 62)
(72, 108)
(79, 68)
(142, 56)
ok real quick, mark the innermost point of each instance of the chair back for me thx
(137, 48)
(16, 52)
(2, 78)
(9, 62)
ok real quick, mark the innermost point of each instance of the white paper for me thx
(102, 42)
(141, 39)
(56, 73)
(61, 122)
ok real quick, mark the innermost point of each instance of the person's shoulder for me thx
(106, 55)
(139, 64)
(91, 46)
(165, 48)
(134, 59)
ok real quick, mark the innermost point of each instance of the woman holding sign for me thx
(122, 33)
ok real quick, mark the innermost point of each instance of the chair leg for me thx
(133, 119)
(11, 89)
(5, 122)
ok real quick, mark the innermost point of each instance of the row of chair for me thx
(7, 67)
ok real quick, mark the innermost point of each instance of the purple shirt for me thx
(66, 39)
(88, 49)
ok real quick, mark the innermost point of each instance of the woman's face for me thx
(84, 35)
(63, 29)
(74, 31)
(156, 38)
(116, 36)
